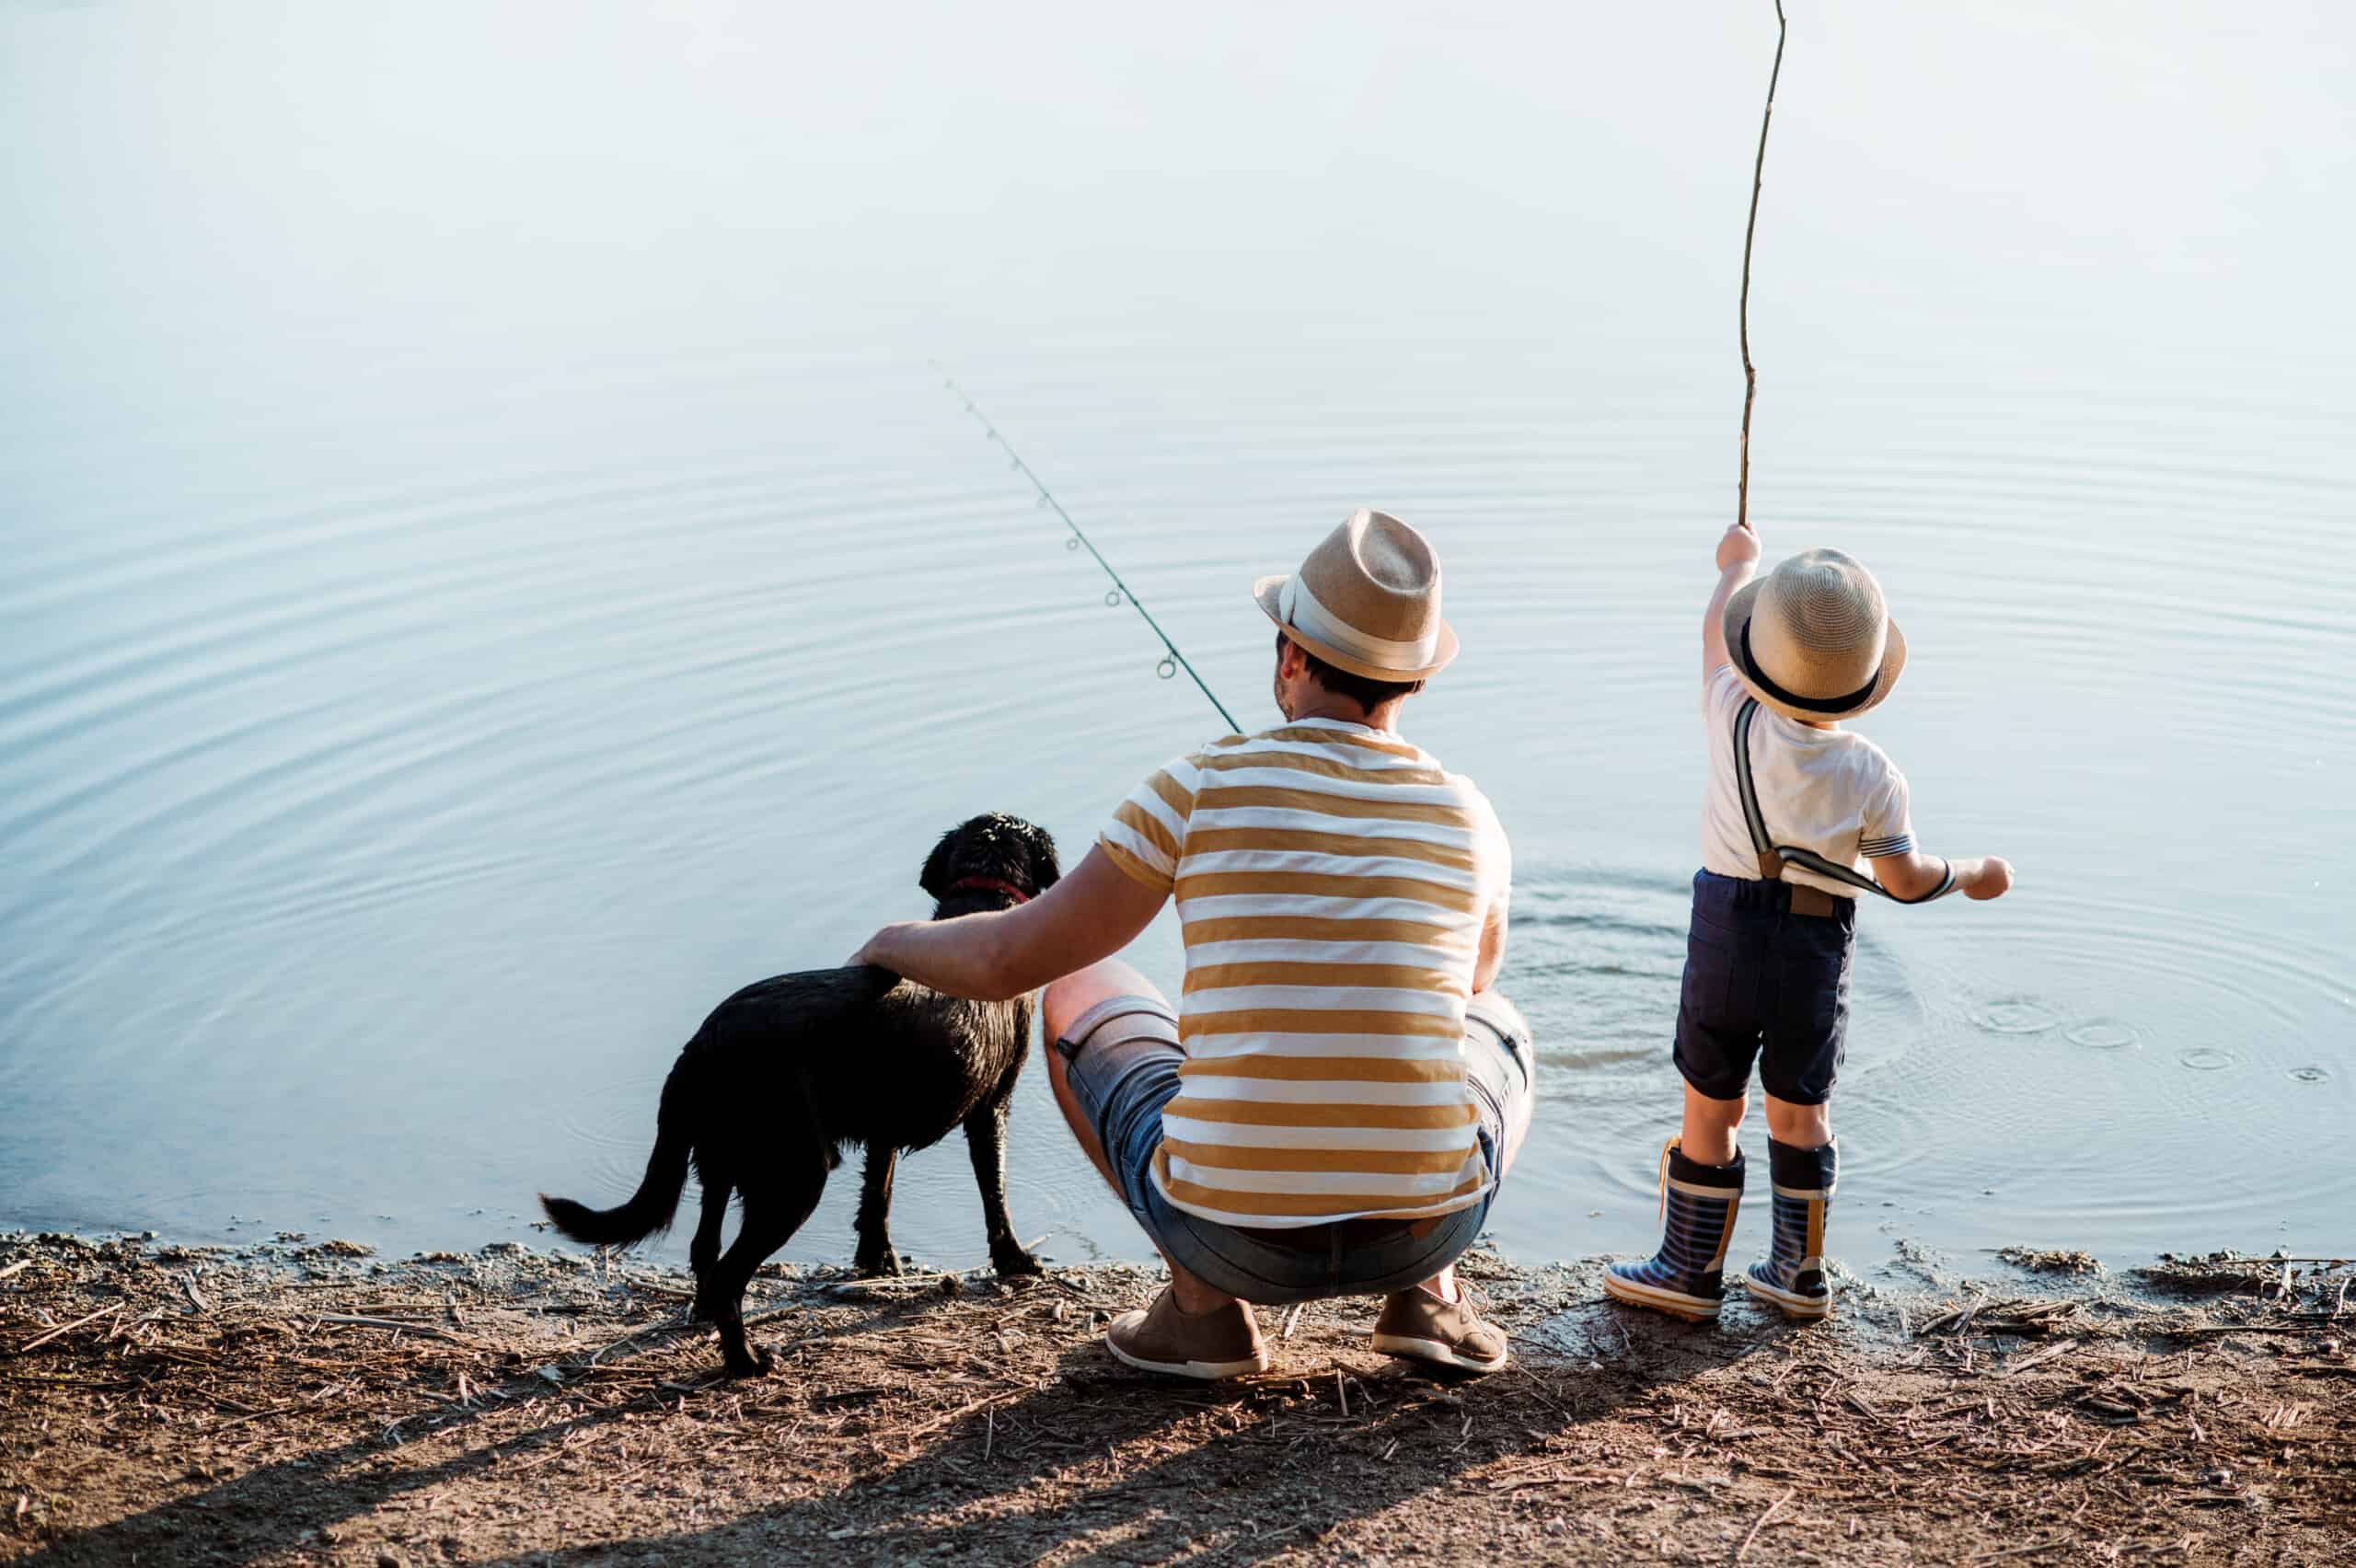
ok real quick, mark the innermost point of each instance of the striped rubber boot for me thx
(1792, 1275)
(1685, 1278)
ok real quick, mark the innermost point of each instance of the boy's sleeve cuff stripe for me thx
(1880, 849)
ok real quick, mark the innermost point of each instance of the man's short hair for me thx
(1364, 690)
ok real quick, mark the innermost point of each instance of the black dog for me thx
(788, 1072)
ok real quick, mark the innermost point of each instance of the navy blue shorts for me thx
(1764, 984)
(1122, 1058)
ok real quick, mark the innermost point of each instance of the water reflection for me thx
(486, 583)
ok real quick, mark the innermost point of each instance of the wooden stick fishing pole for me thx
(1173, 659)
(1749, 372)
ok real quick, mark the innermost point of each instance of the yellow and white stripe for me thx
(1332, 880)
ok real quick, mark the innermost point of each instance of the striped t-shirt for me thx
(1332, 882)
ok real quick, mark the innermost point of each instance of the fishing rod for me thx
(1750, 371)
(1172, 661)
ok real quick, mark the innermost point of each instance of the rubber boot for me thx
(1686, 1277)
(1792, 1275)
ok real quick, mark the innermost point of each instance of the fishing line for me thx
(1172, 661)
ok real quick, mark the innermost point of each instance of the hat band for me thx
(1304, 614)
(1793, 700)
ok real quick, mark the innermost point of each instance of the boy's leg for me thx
(1686, 1278)
(1802, 1126)
(1710, 1126)
(1803, 1162)
(1806, 1039)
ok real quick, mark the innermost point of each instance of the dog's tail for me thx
(657, 1199)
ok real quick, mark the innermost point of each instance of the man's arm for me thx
(1093, 912)
(1913, 874)
(1737, 560)
(1492, 949)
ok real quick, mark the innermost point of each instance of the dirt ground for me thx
(307, 1403)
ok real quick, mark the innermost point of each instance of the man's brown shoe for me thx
(1222, 1343)
(1421, 1327)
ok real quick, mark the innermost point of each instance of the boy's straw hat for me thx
(1367, 600)
(1813, 640)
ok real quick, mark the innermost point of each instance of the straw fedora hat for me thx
(1367, 600)
(1813, 640)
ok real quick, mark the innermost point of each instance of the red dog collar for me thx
(995, 884)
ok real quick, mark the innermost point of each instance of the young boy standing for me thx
(1794, 803)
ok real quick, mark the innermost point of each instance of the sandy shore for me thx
(307, 1402)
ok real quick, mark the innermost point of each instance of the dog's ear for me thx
(1046, 870)
(934, 878)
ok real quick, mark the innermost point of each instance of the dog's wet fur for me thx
(788, 1073)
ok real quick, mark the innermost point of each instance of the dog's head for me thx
(992, 860)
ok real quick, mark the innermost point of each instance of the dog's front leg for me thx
(875, 1255)
(986, 1141)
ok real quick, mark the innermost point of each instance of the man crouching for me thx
(1332, 1107)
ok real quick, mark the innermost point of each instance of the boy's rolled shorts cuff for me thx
(1122, 1058)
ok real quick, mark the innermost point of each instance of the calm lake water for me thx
(489, 566)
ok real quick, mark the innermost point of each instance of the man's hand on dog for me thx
(866, 953)
(1093, 913)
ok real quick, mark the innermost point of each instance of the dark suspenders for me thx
(1774, 857)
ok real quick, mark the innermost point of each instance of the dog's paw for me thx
(1015, 1260)
(755, 1363)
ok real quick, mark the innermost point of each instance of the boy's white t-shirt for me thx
(1829, 791)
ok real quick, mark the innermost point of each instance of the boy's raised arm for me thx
(1737, 559)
